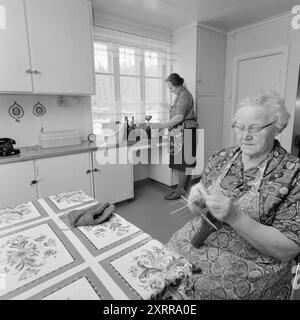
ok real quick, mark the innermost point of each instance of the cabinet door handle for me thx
(96, 170)
(33, 182)
(88, 171)
(36, 72)
(28, 71)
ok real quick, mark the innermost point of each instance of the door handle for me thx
(96, 170)
(28, 71)
(33, 182)
(36, 72)
(88, 171)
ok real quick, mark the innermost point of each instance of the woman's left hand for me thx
(222, 208)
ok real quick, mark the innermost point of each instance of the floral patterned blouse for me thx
(231, 267)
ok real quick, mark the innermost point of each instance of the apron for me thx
(247, 202)
(176, 140)
(176, 135)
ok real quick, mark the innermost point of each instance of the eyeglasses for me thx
(251, 130)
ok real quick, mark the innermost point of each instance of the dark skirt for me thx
(183, 148)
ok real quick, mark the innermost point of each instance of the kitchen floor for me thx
(151, 212)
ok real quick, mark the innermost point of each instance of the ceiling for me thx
(170, 15)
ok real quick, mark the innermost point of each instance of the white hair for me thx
(271, 102)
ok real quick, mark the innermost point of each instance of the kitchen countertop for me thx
(36, 152)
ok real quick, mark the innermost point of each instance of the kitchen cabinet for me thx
(17, 183)
(112, 182)
(47, 47)
(159, 168)
(64, 173)
(162, 173)
(40, 178)
(14, 57)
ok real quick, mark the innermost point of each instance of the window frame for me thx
(116, 74)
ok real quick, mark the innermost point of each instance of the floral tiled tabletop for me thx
(43, 257)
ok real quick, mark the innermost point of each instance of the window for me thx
(130, 78)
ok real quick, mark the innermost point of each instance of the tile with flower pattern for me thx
(106, 235)
(28, 256)
(148, 269)
(19, 214)
(67, 200)
(84, 285)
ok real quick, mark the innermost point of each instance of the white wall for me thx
(74, 115)
(185, 48)
(261, 37)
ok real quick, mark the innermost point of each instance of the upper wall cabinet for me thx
(47, 47)
(14, 54)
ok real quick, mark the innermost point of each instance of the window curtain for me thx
(164, 48)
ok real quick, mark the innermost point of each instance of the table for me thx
(43, 257)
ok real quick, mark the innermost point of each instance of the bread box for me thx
(54, 139)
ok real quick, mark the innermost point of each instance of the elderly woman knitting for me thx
(251, 194)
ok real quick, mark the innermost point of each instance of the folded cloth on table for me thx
(91, 216)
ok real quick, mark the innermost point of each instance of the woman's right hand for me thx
(196, 199)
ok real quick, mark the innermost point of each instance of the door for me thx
(14, 54)
(60, 41)
(112, 182)
(16, 183)
(259, 71)
(63, 174)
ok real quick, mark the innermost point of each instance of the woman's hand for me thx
(222, 208)
(196, 199)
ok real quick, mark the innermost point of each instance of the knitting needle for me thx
(179, 209)
(175, 202)
(199, 211)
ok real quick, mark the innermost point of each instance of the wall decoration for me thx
(16, 111)
(61, 101)
(39, 110)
